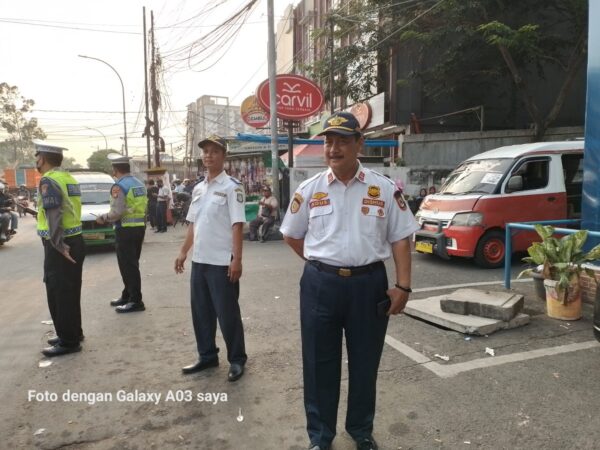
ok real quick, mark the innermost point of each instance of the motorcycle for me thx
(5, 234)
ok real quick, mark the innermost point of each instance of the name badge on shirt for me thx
(73, 190)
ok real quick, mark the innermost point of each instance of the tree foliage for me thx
(99, 162)
(464, 47)
(14, 109)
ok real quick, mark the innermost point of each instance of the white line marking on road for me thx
(455, 286)
(406, 350)
(450, 370)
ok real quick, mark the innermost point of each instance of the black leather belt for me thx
(345, 271)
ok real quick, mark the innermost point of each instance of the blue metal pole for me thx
(507, 256)
(591, 159)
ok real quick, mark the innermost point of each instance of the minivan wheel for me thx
(490, 250)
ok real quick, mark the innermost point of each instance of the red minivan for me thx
(517, 183)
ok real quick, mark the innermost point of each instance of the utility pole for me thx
(331, 95)
(147, 117)
(272, 56)
(155, 96)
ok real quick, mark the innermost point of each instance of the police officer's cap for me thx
(343, 123)
(117, 158)
(215, 140)
(45, 147)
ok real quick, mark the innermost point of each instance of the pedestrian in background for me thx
(59, 226)
(266, 216)
(127, 214)
(345, 222)
(162, 203)
(217, 216)
(152, 194)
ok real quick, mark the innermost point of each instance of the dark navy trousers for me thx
(129, 242)
(215, 297)
(332, 305)
(63, 289)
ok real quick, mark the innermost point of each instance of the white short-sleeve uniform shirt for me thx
(348, 225)
(216, 206)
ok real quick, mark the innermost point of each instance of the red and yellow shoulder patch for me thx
(115, 191)
(296, 203)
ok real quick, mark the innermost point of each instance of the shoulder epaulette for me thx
(389, 180)
(235, 180)
(311, 180)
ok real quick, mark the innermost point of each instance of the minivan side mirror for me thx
(515, 183)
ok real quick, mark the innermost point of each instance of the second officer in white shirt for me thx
(217, 215)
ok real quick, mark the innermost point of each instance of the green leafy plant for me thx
(562, 258)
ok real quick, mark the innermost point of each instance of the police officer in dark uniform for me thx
(345, 222)
(59, 226)
(128, 215)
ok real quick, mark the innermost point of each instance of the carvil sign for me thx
(253, 114)
(297, 97)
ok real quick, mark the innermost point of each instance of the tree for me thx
(69, 162)
(13, 110)
(466, 47)
(98, 161)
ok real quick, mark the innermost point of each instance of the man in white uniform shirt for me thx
(217, 215)
(345, 222)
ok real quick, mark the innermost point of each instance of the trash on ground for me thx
(45, 363)
(468, 338)
(39, 431)
(490, 351)
(444, 357)
(47, 322)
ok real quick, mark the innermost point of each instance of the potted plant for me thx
(562, 260)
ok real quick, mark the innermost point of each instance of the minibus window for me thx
(476, 176)
(534, 174)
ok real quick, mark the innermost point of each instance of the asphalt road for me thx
(540, 394)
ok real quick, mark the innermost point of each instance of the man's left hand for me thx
(100, 220)
(235, 270)
(399, 299)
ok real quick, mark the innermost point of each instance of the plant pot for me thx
(557, 307)
(538, 284)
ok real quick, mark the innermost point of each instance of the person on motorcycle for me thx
(23, 198)
(6, 203)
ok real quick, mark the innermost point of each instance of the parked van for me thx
(517, 183)
(95, 200)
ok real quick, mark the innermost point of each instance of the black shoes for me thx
(56, 340)
(130, 307)
(58, 350)
(119, 302)
(199, 366)
(367, 444)
(235, 372)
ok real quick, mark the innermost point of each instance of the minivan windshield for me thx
(480, 176)
(95, 193)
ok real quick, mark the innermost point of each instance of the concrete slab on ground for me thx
(429, 310)
(483, 303)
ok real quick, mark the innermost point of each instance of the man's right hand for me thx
(67, 255)
(179, 263)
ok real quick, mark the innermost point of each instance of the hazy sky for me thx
(77, 101)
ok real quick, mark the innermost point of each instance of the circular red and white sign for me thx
(297, 97)
(252, 114)
(362, 112)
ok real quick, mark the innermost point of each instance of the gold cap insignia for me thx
(337, 121)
